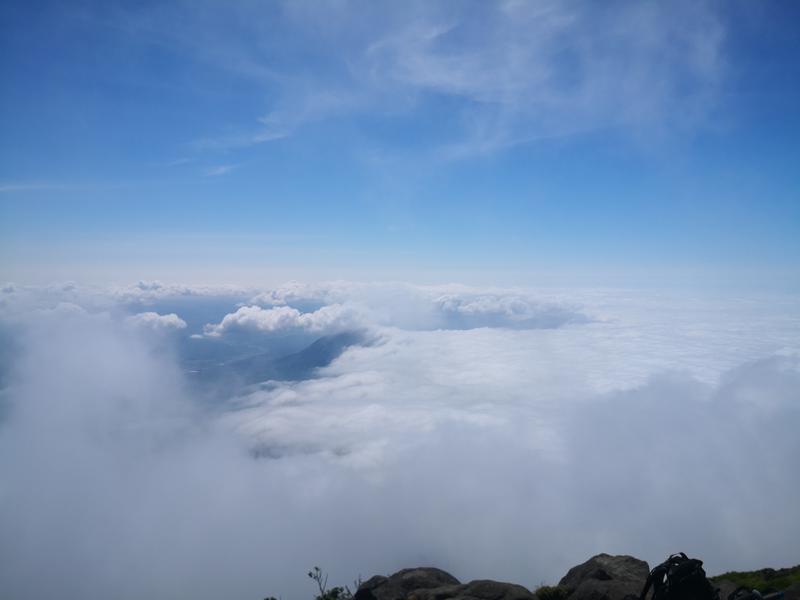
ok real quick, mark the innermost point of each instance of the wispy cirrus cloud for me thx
(36, 187)
(61, 186)
(218, 170)
(511, 72)
(529, 71)
(238, 140)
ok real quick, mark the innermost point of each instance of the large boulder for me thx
(435, 584)
(606, 577)
(399, 585)
(485, 589)
(480, 589)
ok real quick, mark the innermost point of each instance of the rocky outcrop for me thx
(480, 589)
(606, 577)
(403, 583)
(434, 584)
(602, 577)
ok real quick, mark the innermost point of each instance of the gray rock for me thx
(485, 589)
(399, 585)
(606, 577)
(435, 584)
(725, 587)
(445, 592)
(480, 589)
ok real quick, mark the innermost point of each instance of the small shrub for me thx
(334, 593)
(551, 592)
(765, 581)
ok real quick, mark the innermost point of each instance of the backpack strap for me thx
(654, 579)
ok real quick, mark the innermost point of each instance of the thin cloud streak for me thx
(36, 187)
(517, 72)
(220, 170)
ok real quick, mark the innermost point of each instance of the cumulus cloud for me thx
(492, 310)
(664, 423)
(65, 310)
(429, 307)
(151, 291)
(328, 319)
(295, 292)
(157, 322)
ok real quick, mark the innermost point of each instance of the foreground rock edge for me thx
(602, 577)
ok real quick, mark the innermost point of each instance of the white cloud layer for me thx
(328, 319)
(656, 423)
(427, 307)
(149, 291)
(156, 322)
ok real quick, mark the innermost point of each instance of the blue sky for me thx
(513, 142)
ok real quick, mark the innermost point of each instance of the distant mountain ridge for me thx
(295, 366)
(301, 365)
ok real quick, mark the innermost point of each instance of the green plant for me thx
(334, 593)
(551, 592)
(765, 581)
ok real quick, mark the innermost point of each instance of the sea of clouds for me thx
(495, 433)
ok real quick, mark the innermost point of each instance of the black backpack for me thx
(680, 578)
